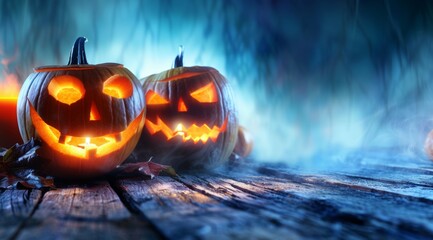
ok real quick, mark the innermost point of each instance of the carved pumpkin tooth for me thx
(62, 139)
(91, 153)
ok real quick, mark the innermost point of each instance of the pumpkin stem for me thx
(78, 54)
(178, 61)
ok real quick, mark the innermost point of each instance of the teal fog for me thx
(311, 78)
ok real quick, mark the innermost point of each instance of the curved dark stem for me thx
(78, 54)
(178, 61)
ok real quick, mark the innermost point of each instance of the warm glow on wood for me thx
(152, 98)
(206, 94)
(66, 89)
(181, 107)
(194, 133)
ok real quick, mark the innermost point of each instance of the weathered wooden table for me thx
(248, 201)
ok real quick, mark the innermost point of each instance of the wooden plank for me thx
(393, 180)
(244, 202)
(394, 188)
(181, 213)
(346, 210)
(416, 176)
(92, 211)
(402, 187)
(392, 210)
(15, 208)
(302, 215)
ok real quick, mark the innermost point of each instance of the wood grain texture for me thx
(244, 201)
(15, 208)
(86, 211)
(182, 213)
(383, 210)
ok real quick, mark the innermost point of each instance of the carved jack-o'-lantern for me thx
(191, 118)
(88, 117)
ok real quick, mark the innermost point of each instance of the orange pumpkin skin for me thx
(89, 132)
(191, 118)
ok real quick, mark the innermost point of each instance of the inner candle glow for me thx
(90, 148)
(87, 144)
(179, 130)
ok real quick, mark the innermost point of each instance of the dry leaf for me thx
(19, 165)
(148, 168)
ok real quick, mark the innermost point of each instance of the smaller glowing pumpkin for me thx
(191, 118)
(88, 117)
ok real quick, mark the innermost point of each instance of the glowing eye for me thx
(153, 98)
(206, 94)
(66, 89)
(118, 87)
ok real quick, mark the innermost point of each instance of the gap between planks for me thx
(183, 213)
(17, 207)
(25, 222)
(83, 211)
(327, 204)
(240, 195)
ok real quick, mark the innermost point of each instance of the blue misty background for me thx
(311, 78)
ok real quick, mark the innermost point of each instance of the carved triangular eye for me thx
(206, 94)
(66, 89)
(118, 87)
(153, 98)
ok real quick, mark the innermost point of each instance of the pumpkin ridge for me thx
(112, 103)
(227, 141)
(41, 85)
(22, 104)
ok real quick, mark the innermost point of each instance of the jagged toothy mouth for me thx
(83, 145)
(193, 133)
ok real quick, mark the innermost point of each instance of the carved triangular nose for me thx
(181, 107)
(94, 113)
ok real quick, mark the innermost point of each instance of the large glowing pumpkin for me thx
(88, 117)
(191, 118)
